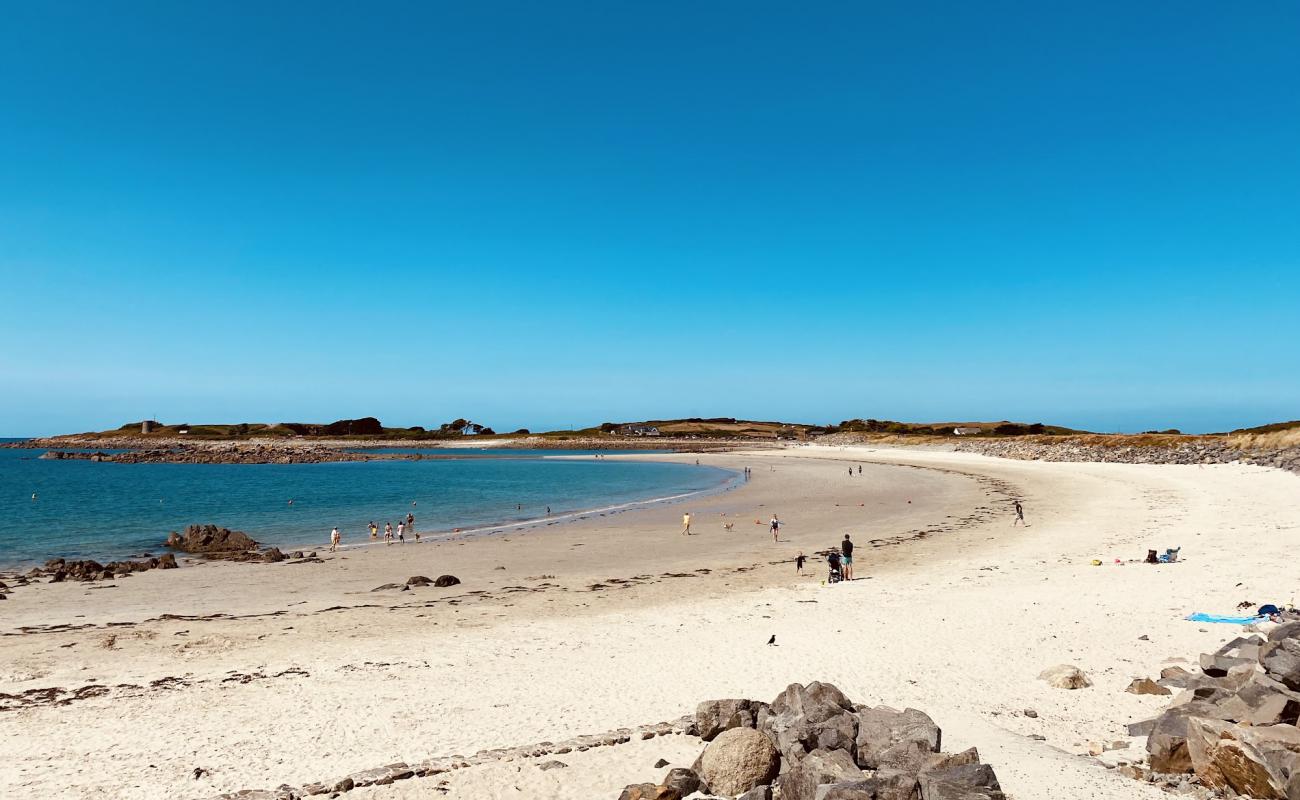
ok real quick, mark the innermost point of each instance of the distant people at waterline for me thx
(401, 532)
(388, 533)
(335, 538)
(374, 530)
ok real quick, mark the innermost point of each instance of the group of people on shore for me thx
(404, 526)
(839, 562)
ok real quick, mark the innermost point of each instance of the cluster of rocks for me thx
(1232, 729)
(219, 453)
(224, 544)
(59, 570)
(1199, 451)
(813, 743)
(392, 773)
(442, 582)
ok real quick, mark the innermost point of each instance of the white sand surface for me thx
(314, 676)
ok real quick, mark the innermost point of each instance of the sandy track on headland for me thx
(957, 623)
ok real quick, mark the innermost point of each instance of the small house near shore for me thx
(967, 431)
(638, 430)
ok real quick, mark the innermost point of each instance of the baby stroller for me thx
(836, 573)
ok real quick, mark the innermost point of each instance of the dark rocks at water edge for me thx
(813, 743)
(224, 544)
(225, 453)
(1233, 729)
(59, 570)
(207, 539)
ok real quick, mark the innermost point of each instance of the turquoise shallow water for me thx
(94, 510)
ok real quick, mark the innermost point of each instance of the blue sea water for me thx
(84, 509)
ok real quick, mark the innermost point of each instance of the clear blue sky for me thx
(545, 214)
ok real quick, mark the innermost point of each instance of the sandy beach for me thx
(265, 675)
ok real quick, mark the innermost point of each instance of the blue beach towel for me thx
(1199, 617)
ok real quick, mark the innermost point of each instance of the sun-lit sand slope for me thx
(618, 620)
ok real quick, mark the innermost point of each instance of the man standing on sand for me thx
(401, 532)
(776, 526)
(686, 524)
(846, 548)
(335, 537)
(1020, 514)
(798, 563)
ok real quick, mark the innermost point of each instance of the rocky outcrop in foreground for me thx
(1233, 727)
(810, 743)
(813, 743)
(212, 542)
(1192, 452)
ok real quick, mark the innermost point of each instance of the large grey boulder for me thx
(800, 779)
(715, 716)
(1281, 660)
(888, 738)
(938, 761)
(884, 784)
(807, 718)
(1167, 741)
(1262, 701)
(683, 780)
(1249, 761)
(969, 782)
(738, 760)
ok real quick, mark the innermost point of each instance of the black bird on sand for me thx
(772, 640)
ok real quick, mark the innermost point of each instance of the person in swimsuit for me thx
(374, 530)
(686, 524)
(798, 563)
(1020, 514)
(776, 526)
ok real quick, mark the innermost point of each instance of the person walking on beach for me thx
(776, 527)
(798, 563)
(859, 469)
(334, 540)
(1020, 514)
(686, 524)
(401, 532)
(846, 551)
(388, 533)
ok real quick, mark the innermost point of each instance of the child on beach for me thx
(798, 563)
(374, 530)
